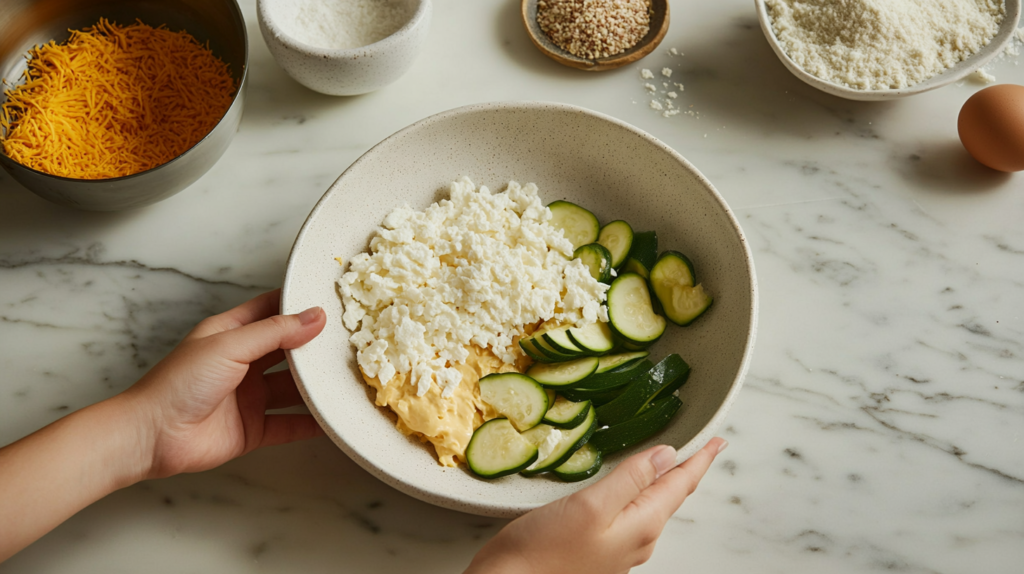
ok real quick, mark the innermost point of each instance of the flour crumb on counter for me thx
(667, 72)
(646, 74)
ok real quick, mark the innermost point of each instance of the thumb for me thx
(631, 478)
(249, 342)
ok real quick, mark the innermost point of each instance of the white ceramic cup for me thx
(346, 72)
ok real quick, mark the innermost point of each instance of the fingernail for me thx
(664, 459)
(309, 315)
(722, 446)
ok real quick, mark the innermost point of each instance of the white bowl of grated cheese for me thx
(870, 51)
(570, 153)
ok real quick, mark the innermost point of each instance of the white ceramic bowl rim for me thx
(959, 71)
(495, 507)
(382, 44)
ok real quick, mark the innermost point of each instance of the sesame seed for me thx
(594, 28)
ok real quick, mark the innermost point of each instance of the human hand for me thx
(206, 402)
(608, 527)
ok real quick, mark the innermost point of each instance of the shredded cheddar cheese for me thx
(114, 100)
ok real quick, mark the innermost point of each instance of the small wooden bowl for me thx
(646, 45)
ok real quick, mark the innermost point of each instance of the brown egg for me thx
(991, 127)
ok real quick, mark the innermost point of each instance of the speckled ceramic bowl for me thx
(347, 72)
(612, 168)
(958, 72)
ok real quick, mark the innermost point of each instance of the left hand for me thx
(206, 402)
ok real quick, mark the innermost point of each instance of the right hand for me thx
(608, 527)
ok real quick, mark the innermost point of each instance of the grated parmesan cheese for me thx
(882, 44)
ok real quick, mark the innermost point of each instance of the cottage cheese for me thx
(474, 269)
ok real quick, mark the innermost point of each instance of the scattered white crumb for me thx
(669, 113)
(680, 86)
(646, 74)
(980, 75)
(650, 87)
(673, 51)
(705, 135)
(656, 105)
(667, 72)
(673, 95)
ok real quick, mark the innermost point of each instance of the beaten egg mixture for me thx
(446, 422)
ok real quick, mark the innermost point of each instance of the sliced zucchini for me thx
(595, 338)
(667, 376)
(634, 266)
(496, 449)
(645, 248)
(621, 361)
(630, 312)
(597, 259)
(559, 340)
(582, 465)
(579, 225)
(531, 350)
(673, 278)
(564, 374)
(553, 354)
(558, 451)
(615, 380)
(617, 238)
(566, 414)
(517, 397)
(637, 429)
(597, 397)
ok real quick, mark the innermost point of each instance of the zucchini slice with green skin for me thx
(564, 374)
(617, 238)
(622, 361)
(595, 338)
(667, 376)
(554, 452)
(531, 350)
(517, 397)
(559, 340)
(496, 449)
(637, 429)
(673, 279)
(644, 249)
(553, 354)
(630, 312)
(614, 380)
(583, 464)
(579, 225)
(597, 259)
(634, 266)
(565, 414)
(597, 397)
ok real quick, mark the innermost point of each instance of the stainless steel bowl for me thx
(26, 23)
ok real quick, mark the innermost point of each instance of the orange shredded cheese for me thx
(113, 101)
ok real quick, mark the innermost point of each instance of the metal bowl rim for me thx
(241, 84)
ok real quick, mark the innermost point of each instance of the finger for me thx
(281, 390)
(283, 429)
(629, 479)
(268, 361)
(658, 502)
(259, 307)
(250, 342)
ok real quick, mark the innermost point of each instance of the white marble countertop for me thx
(880, 427)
